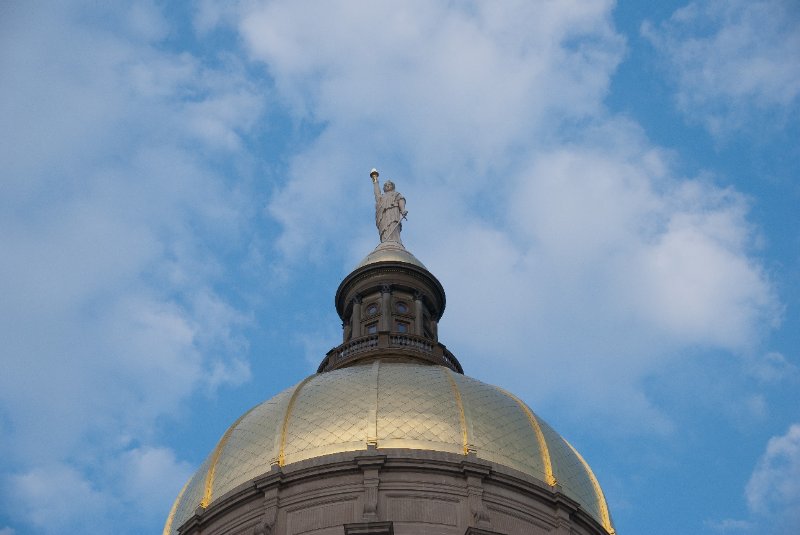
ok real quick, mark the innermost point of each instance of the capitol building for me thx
(390, 436)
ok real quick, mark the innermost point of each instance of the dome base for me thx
(408, 491)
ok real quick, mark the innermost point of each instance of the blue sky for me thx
(608, 193)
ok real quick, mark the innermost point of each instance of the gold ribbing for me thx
(372, 414)
(543, 448)
(601, 499)
(170, 518)
(462, 418)
(285, 425)
(212, 469)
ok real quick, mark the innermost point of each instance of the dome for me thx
(391, 405)
(390, 252)
(390, 434)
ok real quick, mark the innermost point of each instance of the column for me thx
(355, 320)
(419, 318)
(386, 308)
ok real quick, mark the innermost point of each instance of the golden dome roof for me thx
(390, 251)
(390, 405)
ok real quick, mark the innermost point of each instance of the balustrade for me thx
(432, 351)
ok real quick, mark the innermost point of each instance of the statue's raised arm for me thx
(390, 209)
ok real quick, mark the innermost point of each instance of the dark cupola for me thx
(390, 307)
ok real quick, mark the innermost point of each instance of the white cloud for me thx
(113, 214)
(148, 476)
(730, 525)
(134, 487)
(670, 253)
(442, 91)
(732, 58)
(47, 496)
(773, 491)
(773, 367)
(491, 121)
(596, 244)
(489, 117)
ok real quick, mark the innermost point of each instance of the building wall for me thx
(420, 492)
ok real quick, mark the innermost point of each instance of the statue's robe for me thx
(388, 216)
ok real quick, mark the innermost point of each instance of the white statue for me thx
(390, 209)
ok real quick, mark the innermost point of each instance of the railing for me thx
(451, 361)
(356, 346)
(404, 340)
(393, 343)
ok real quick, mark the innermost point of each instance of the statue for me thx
(390, 210)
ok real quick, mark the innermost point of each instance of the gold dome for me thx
(390, 251)
(390, 405)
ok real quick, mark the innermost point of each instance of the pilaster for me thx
(370, 466)
(474, 474)
(355, 322)
(386, 307)
(419, 329)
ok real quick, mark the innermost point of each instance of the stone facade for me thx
(400, 492)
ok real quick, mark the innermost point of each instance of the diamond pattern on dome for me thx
(502, 432)
(250, 446)
(416, 408)
(329, 414)
(570, 472)
(602, 505)
(416, 404)
(189, 500)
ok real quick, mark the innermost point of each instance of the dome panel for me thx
(251, 444)
(575, 476)
(329, 414)
(417, 409)
(501, 430)
(188, 500)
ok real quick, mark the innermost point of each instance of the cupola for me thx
(390, 307)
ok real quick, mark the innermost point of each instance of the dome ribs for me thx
(466, 438)
(280, 457)
(212, 469)
(601, 498)
(543, 447)
(174, 508)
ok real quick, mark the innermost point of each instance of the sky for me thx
(608, 192)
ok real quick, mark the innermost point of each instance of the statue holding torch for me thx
(390, 209)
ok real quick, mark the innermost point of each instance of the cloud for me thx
(598, 243)
(46, 497)
(730, 525)
(146, 478)
(492, 123)
(578, 261)
(772, 368)
(114, 213)
(732, 59)
(134, 487)
(773, 491)
(439, 91)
